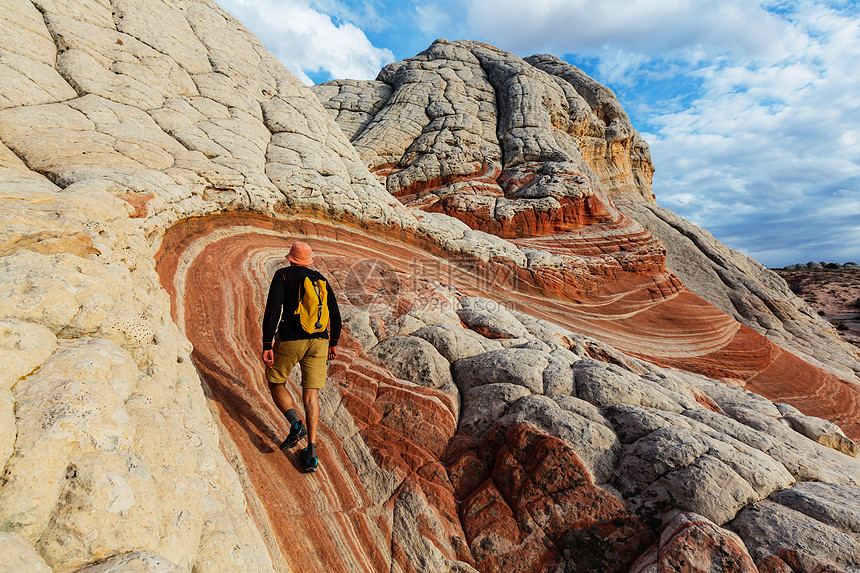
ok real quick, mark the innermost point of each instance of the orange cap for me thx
(300, 254)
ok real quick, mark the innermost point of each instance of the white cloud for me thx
(758, 147)
(778, 137)
(755, 125)
(755, 149)
(308, 41)
(433, 18)
(367, 15)
(667, 28)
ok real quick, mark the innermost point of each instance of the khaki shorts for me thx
(310, 353)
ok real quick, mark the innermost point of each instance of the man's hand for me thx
(332, 352)
(268, 357)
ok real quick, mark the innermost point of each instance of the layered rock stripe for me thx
(493, 139)
(517, 147)
(195, 259)
(146, 148)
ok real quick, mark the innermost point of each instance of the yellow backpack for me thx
(313, 305)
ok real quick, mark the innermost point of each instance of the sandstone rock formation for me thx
(522, 384)
(745, 290)
(533, 150)
(690, 542)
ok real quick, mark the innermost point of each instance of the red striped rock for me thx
(526, 160)
(538, 510)
(380, 438)
(405, 429)
(673, 329)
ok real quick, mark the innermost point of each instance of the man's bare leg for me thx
(310, 396)
(283, 400)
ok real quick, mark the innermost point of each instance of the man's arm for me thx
(272, 315)
(334, 322)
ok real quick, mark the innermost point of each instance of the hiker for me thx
(299, 307)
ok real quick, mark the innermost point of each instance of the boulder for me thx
(456, 342)
(485, 405)
(632, 421)
(594, 443)
(818, 430)
(675, 467)
(490, 319)
(18, 555)
(834, 505)
(521, 366)
(772, 529)
(413, 359)
(607, 384)
(805, 459)
(358, 323)
(23, 347)
(739, 402)
(77, 397)
(545, 330)
(691, 542)
(522, 516)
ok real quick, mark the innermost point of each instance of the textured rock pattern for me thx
(98, 371)
(382, 436)
(820, 522)
(155, 163)
(532, 150)
(538, 510)
(464, 118)
(745, 290)
(690, 542)
(638, 430)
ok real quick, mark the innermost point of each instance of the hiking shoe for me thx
(297, 432)
(310, 463)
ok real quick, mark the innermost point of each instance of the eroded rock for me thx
(19, 555)
(455, 342)
(690, 542)
(773, 529)
(490, 319)
(522, 515)
(674, 467)
(821, 431)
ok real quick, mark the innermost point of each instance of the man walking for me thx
(299, 307)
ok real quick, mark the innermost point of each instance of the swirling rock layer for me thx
(533, 150)
(509, 146)
(384, 441)
(745, 290)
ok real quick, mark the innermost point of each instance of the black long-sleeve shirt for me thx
(283, 300)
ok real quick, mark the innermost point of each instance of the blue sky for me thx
(751, 109)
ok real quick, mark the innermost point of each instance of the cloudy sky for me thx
(751, 108)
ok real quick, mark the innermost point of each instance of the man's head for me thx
(300, 254)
